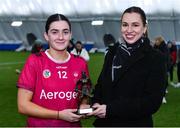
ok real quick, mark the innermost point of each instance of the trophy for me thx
(84, 90)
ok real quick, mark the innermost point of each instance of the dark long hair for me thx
(136, 10)
(56, 17)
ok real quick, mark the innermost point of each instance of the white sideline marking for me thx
(10, 63)
(4, 68)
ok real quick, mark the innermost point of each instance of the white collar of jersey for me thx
(59, 62)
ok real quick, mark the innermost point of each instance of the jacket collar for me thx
(138, 55)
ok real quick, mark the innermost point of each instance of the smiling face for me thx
(58, 35)
(132, 27)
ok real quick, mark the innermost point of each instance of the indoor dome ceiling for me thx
(83, 8)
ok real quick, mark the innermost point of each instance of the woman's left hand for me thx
(99, 110)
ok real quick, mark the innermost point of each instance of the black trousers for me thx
(178, 71)
(171, 72)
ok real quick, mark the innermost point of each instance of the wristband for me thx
(57, 114)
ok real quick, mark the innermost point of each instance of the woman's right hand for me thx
(69, 115)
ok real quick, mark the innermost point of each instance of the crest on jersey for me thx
(46, 73)
(75, 74)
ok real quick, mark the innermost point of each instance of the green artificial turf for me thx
(167, 116)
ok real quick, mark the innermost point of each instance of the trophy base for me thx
(85, 110)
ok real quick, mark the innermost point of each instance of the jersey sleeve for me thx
(27, 78)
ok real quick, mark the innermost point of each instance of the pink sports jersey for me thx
(53, 85)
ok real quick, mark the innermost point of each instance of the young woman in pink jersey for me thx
(46, 86)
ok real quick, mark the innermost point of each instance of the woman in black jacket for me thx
(131, 84)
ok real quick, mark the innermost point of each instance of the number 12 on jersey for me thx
(62, 74)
